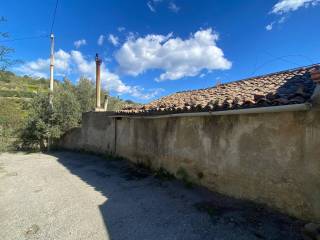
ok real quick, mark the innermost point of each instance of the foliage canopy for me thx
(25, 114)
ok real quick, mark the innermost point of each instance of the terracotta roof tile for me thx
(282, 88)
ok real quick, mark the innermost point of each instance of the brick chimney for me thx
(98, 84)
(315, 76)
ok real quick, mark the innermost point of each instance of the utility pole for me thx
(51, 84)
(51, 70)
(98, 84)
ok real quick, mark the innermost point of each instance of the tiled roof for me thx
(281, 88)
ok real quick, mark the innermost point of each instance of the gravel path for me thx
(68, 196)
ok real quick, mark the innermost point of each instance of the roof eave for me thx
(273, 109)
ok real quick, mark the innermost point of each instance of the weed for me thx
(163, 174)
(184, 176)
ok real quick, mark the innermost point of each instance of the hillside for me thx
(17, 93)
(20, 87)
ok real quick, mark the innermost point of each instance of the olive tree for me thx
(44, 123)
(85, 91)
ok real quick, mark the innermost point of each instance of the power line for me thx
(35, 37)
(54, 15)
(309, 59)
(24, 38)
(39, 36)
(282, 58)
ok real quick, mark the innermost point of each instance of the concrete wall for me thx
(271, 158)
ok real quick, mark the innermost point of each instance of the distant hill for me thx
(13, 86)
(23, 88)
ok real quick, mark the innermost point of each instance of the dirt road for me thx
(67, 196)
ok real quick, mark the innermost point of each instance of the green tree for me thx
(37, 130)
(44, 123)
(85, 91)
(67, 85)
(66, 108)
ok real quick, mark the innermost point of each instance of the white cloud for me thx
(121, 29)
(282, 19)
(285, 6)
(132, 35)
(114, 40)
(101, 40)
(34, 68)
(80, 43)
(178, 58)
(151, 6)
(173, 7)
(270, 26)
(88, 68)
(144, 94)
(75, 63)
(40, 67)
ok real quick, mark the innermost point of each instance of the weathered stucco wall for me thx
(269, 158)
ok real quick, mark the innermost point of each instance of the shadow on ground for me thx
(142, 206)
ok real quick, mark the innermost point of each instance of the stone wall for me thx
(270, 158)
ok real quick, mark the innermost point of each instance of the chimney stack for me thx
(98, 83)
(315, 75)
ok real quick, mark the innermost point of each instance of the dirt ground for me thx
(66, 196)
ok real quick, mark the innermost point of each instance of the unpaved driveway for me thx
(78, 196)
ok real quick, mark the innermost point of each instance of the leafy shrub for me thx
(44, 123)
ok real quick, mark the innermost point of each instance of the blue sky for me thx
(151, 48)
